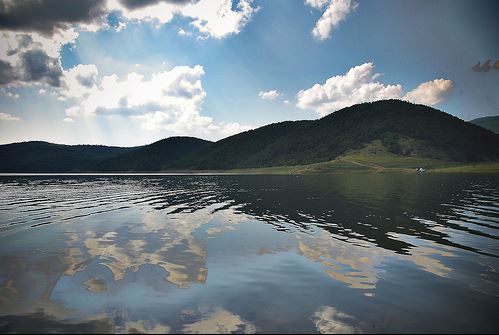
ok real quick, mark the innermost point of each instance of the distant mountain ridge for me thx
(155, 156)
(38, 156)
(402, 128)
(489, 122)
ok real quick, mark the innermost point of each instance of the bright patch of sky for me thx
(119, 73)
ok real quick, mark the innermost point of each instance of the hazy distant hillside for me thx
(490, 122)
(404, 128)
(49, 157)
(155, 156)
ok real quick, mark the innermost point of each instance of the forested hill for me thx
(404, 128)
(39, 156)
(155, 156)
(48, 157)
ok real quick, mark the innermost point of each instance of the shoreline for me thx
(315, 169)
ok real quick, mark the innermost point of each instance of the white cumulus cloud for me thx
(336, 12)
(215, 18)
(183, 32)
(33, 34)
(329, 320)
(161, 12)
(317, 3)
(79, 81)
(32, 57)
(269, 95)
(358, 85)
(212, 18)
(8, 117)
(431, 92)
(12, 95)
(169, 100)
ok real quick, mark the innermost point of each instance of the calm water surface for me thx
(246, 254)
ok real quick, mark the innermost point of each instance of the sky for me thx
(131, 72)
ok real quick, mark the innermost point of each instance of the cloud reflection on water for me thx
(175, 234)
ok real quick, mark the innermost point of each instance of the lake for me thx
(349, 253)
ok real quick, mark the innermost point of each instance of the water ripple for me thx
(458, 213)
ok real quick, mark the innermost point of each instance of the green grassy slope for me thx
(375, 158)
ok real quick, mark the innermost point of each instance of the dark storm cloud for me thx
(38, 66)
(46, 16)
(486, 66)
(136, 4)
(7, 73)
(87, 82)
(34, 66)
(183, 92)
(29, 61)
(24, 42)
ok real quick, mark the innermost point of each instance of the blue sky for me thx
(421, 51)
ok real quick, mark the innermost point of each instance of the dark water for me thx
(345, 253)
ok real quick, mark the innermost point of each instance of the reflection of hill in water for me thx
(155, 232)
(373, 207)
(439, 208)
(414, 215)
